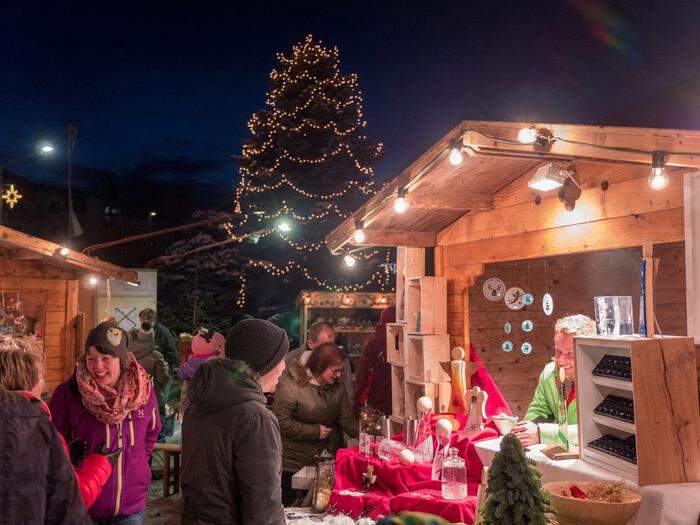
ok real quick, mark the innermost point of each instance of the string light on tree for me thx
(309, 151)
(349, 260)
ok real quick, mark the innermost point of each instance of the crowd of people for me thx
(85, 456)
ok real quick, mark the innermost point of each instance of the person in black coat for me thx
(231, 446)
(37, 485)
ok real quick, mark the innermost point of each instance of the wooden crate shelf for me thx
(423, 355)
(398, 391)
(666, 411)
(439, 393)
(410, 262)
(426, 298)
(395, 344)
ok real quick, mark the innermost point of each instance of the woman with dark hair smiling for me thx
(310, 400)
(110, 400)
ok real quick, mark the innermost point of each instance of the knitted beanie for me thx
(207, 342)
(108, 338)
(260, 344)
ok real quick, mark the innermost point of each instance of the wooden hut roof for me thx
(440, 193)
(18, 246)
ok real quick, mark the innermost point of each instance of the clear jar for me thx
(454, 476)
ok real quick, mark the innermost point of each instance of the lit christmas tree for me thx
(305, 166)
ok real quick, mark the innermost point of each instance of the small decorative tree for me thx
(515, 495)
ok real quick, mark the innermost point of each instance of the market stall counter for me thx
(398, 487)
(673, 504)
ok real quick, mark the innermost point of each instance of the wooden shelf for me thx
(350, 331)
(423, 355)
(611, 382)
(398, 392)
(439, 393)
(614, 423)
(395, 344)
(666, 445)
(426, 298)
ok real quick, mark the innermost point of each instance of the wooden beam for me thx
(571, 142)
(460, 201)
(399, 238)
(23, 254)
(623, 232)
(627, 198)
(48, 250)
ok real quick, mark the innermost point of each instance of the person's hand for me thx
(112, 457)
(76, 450)
(323, 432)
(527, 432)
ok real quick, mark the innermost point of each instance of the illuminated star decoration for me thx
(11, 196)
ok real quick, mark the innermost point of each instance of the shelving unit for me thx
(424, 354)
(410, 262)
(353, 315)
(395, 344)
(415, 352)
(666, 425)
(426, 305)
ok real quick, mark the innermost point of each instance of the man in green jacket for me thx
(541, 419)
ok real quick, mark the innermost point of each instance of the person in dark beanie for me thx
(231, 446)
(109, 404)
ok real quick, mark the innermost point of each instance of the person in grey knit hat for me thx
(231, 445)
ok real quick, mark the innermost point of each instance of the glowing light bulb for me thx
(64, 252)
(284, 226)
(92, 280)
(349, 261)
(359, 236)
(400, 204)
(455, 156)
(527, 136)
(658, 179)
(46, 148)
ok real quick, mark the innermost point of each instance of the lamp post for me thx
(44, 149)
(151, 214)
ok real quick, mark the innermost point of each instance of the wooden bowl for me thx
(572, 511)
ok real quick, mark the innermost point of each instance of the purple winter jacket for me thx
(126, 490)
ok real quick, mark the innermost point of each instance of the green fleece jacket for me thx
(544, 407)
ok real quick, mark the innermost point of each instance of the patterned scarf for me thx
(112, 404)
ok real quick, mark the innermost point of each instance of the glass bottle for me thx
(454, 476)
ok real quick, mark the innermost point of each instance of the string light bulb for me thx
(359, 236)
(400, 204)
(455, 153)
(658, 179)
(527, 135)
(63, 252)
(349, 260)
(284, 226)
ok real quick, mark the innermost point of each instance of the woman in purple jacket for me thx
(109, 401)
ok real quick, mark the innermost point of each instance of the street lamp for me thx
(43, 149)
(151, 214)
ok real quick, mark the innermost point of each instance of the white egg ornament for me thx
(424, 404)
(443, 428)
(406, 457)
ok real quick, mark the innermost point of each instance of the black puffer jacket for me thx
(231, 450)
(37, 484)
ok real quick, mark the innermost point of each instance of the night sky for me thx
(166, 88)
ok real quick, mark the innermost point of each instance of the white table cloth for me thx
(677, 504)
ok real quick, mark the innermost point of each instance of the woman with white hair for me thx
(540, 424)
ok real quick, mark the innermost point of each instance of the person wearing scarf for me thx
(109, 403)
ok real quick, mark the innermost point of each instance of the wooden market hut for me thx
(480, 219)
(53, 291)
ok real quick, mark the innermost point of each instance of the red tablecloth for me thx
(405, 488)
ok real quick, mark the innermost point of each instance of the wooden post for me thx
(71, 340)
(647, 254)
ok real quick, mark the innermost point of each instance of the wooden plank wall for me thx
(573, 280)
(44, 292)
